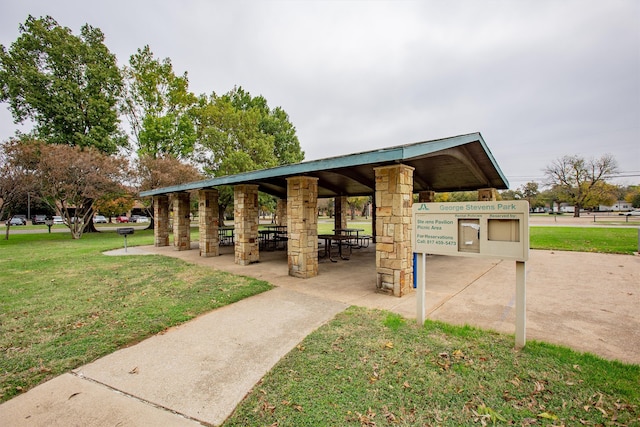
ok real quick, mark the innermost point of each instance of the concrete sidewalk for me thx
(195, 374)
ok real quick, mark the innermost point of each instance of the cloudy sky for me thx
(539, 79)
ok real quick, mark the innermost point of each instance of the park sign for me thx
(495, 229)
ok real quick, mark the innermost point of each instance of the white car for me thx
(633, 213)
(57, 220)
(99, 219)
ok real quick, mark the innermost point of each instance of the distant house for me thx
(567, 208)
(619, 206)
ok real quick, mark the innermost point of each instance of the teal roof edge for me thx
(382, 155)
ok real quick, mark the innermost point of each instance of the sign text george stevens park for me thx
(475, 229)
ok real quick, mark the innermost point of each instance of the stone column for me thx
(426, 196)
(246, 215)
(342, 211)
(394, 256)
(181, 222)
(302, 226)
(281, 212)
(208, 226)
(487, 195)
(161, 221)
(373, 218)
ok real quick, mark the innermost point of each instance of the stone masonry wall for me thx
(426, 196)
(342, 212)
(161, 221)
(181, 222)
(487, 195)
(302, 226)
(281, 212)
(245, 213)
(208, 226)
(394, 255)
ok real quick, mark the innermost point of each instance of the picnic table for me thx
(225, 235)
(273, 236)
(353, 235)
(341, 239)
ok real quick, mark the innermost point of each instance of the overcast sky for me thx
(539, 79)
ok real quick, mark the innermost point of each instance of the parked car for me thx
(22, 218)
(16, 221)
(99, 219)
(633, 213)
(138, 218)
(57, 220)
(38, 219)
(122, 218)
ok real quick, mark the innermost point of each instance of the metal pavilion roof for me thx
(458, 163)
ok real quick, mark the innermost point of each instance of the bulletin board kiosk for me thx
(496, 229)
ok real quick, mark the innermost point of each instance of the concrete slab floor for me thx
(585, 301)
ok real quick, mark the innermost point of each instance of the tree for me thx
(162, 171)
(113, 204)
(581, 182)
(69, 179)
(238, 133)
(157, 104)
(15, 183)
(356, 203)
(67, 85)
(530, 193)
(457, 196)
(633, 195)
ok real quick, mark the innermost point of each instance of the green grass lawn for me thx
(614, 240)
(585, 239)
(63, 303)
(373, 368)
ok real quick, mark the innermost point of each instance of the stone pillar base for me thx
(245, 214)
(208, 216)
(302, 226)
(487, 195)
(394, 256)
(161, 221)
(181, 222)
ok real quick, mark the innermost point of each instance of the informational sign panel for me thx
(473, 229)
(497, 229)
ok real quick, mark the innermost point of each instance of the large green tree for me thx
(239, 133)
(161, 171)
(67, 85)
(157, 104)
(582, 182)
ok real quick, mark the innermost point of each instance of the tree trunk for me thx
(576, 211)
(221, 209)
(90, 227)
(149, 212)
